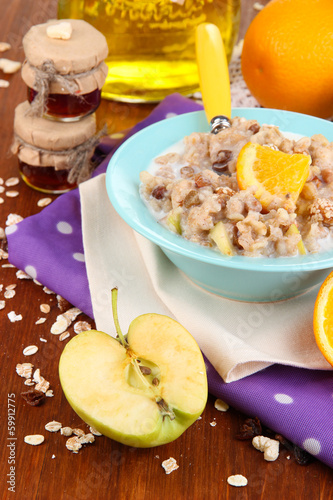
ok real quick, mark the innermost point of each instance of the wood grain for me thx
(206, 455)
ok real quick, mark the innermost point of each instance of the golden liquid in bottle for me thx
(152, 43)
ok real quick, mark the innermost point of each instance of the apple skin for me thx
(99, 382)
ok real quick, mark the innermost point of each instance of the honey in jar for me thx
(152, 43)
(53, 156)
(64, 76)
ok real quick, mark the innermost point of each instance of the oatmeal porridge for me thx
(192, 189)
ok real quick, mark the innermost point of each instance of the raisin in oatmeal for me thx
(194, 186)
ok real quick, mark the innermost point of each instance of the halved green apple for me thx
(143, 390)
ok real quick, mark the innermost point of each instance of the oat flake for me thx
(11, 287)
(170, 465)
(45, 308)
(237, 480)
(66, 431)
(34, 439)
(4, 84)
(47, 290)
(12, 181)
(221, 405)
(14, 317)
(13, 219)
(59, 326)
(64, 336)
(29, 382)
(94, 431)
(30, 350)
(12, 194)
(87, 439)
(21, 275)
(49, 393)
(42, 340)
(2, 304)
(2, 200)
(81, 326)
(24, 370)
(73, 444)
(40, 321)
(4, 46)
(53, 426)
(2, 233)
(43, 202)
(9, 294)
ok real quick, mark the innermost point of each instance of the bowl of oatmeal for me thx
(176, 184)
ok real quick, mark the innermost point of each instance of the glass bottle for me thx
(152, 43)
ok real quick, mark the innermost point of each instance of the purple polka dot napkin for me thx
(295, 402)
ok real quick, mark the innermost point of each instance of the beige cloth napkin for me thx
(238, 338)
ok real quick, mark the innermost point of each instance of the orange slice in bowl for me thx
(274, 173)
(323, 319)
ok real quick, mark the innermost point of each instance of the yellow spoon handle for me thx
(213, 71)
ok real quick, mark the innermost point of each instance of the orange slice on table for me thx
(323, 319)
(274, 173)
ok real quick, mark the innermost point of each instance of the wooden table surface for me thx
(206, 455)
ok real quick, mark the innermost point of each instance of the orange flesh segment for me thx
(323, 319)
(274, 173)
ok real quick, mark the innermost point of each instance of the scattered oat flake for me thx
(40, 321)
(2, 189)
(8, 66)
(53, 426)
(95, 431)
(43, 202)
(221, 405)
(1, 180)
(237, 480)
(73, 444)
(2, 233)
(59, 326)
(42, 340)
(4, 46)
(37, 376)
(2, 200)
(71, 314)
(24, 370)
(21, 275)
(12, 194)
(11, 287)
(78, 432)
(4, 84)
(12, 181)
(30, 350)
(2, 304)
(47, 290)
(170, 465)
(66, 431)
(3, 254)
(81, 326)
(7, 266)
(45, 308)
(258, 6)
(29, 382)
(87, 439)
(53, 456)
(64, 336)
(49, 393)
(43, 385)
(13, 219)
(34, 439)
(9, 294)
(14, 317)
(213, 424)
(37, 282)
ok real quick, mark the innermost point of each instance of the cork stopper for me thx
(83, 51)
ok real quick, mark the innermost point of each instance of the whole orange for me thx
(287, 58)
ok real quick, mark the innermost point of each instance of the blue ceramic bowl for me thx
(241, 278)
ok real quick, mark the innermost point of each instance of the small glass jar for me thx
(64, 77)
(48, 151)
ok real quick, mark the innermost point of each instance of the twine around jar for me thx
(47, 74)
(79, 161)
